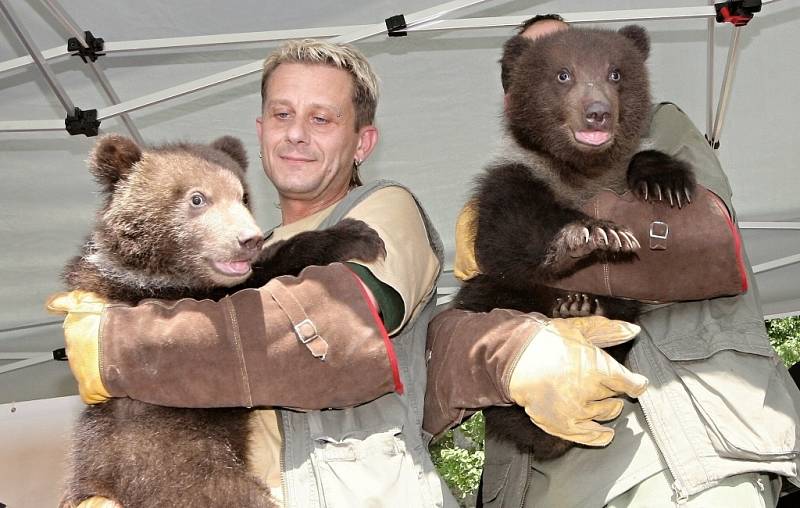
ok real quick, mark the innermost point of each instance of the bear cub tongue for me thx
(232, 267)
(592, 137)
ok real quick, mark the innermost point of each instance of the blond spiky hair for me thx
(340, 56)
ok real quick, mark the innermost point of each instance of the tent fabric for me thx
(439, 119)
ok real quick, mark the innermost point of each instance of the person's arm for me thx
(246, 350)
(551, 367)
(310, 342)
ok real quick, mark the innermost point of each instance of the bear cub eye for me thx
(564, 76)
(197, 199)
(614, 75)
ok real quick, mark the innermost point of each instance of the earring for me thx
(355, 180)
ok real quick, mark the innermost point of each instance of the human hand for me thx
(567, 384)
(84, 311)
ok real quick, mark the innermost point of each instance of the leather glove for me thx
(99, 502)
(84, 311)
(566, 384)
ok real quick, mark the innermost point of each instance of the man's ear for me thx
(112, 159)
(259, 127)
(367, 140)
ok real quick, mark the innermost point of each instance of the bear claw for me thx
(576, 305)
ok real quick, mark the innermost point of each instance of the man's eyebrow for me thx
(281, 102)
(277, 102)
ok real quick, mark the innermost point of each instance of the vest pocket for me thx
(738, 388)
(364, 469)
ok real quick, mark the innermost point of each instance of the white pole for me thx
(727, 84)
(70, 25)
(710, 27)
(34, 52)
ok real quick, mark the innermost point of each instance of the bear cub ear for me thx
(512, 50)
(112, 159)
(234, 148)
(638, 35)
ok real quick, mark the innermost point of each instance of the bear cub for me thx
(578, 101)
(176, 223)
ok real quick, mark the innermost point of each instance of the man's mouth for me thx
(296, 158)
(593, 138)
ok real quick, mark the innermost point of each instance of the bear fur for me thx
(172, 219)
(577, 103)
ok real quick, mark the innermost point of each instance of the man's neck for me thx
(293, 210)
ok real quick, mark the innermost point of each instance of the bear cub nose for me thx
(250, 240)
(598, 115)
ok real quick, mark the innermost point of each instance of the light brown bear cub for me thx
(176, 223)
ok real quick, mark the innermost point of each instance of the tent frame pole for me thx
(36, 55)
(71, 26)
(427, 19)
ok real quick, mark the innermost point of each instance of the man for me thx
(316, 128)
(718, 423)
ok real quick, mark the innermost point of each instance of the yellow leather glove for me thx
(566, 384)
(84, 311)
(99, 502)
(465, 265)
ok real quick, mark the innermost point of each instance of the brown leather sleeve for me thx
(246, 350)
(471, 357)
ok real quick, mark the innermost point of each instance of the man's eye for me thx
(320, 120)
(282, 115)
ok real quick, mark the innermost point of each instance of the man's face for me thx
(307, 131)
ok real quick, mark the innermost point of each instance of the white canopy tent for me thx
(168, 71)
(189, 70)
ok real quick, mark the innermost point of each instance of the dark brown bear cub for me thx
(176, 223)
(577, 103)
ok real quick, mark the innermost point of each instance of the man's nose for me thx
(297, 131)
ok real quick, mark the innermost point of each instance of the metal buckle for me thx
(659, 231)
(303, 337)
(663, 225)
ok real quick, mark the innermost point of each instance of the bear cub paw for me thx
(577, 305)
(359, 241)
(581, 238)
(656, 176)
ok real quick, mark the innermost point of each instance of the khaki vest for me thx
(375, 452)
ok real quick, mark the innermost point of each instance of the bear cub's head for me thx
(174, 215)
(578, 95)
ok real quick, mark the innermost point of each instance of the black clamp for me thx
(396, 25)
(714, 145)
(60, 354)
(82, 122)
(92, 51)
(737, 12)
